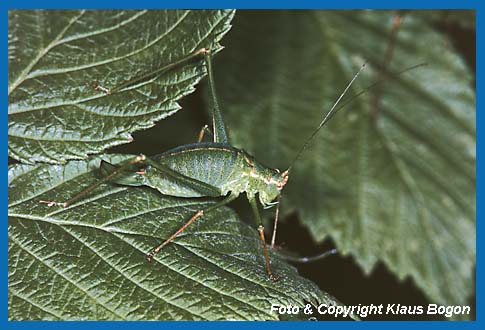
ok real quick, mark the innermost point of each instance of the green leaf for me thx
(392, 177)
(55, 57)
(461, 18)
(88, 261)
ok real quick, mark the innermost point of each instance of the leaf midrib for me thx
(21, 78)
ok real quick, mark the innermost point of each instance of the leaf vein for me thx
(33, 303)
(64, 276)
(24, 74)
(44, 73)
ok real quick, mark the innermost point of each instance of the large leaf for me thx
(56, 56)
(88, 261)
(461, 18)
(392, 176)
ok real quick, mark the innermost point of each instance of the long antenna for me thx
(327, 117)
(334, 110)
(375, 83)
(302, 260)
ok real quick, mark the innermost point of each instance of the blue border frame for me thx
(248, 4)
(253, 4)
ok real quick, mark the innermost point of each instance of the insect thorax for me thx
(261, 180)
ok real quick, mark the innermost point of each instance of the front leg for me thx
(257, 215)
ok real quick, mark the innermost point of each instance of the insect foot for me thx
(274, 277)
(203, 51)
(52, 203)
(150, 255)
(95, 85)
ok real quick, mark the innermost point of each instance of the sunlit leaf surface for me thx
(56, 57)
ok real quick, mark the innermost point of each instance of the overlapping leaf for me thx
(392, 177)
(462, 18)
(56, 57)
(88, 261)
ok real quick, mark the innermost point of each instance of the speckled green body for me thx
(225, 168)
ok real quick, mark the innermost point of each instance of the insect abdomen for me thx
(212, 163)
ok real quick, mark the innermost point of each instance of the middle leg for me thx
(197, 215)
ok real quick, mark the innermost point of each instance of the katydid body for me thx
(203, 169)
(207, 170)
